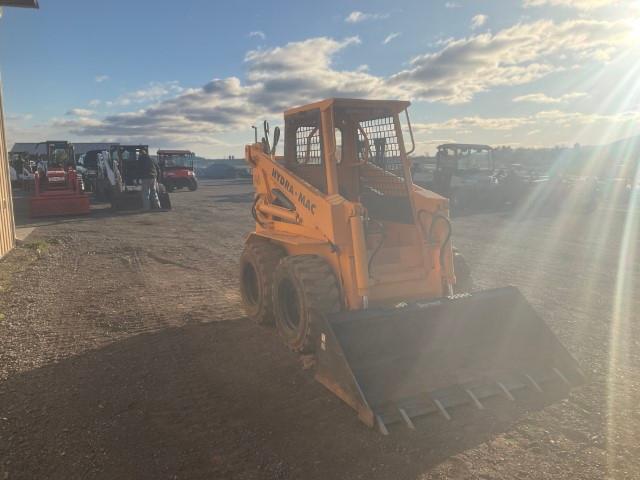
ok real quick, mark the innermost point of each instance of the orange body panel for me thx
(354, 203)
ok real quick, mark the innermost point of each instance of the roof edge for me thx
(20, 3)
(339, 101)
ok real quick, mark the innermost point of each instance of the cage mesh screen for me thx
(308, 145)
(383, 173)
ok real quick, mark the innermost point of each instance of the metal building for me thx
(30, 148)
(7, 226)
(34, 149)
(82, 148)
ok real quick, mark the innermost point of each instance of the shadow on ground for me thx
(216, 400)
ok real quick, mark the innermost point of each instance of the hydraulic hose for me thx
(422, 223)
(436, 217)
(254, 211)
(378, 247)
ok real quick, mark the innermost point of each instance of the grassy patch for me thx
(41, 245)
(37, 246)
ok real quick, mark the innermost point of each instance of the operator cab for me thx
(363, 158)
(90, 161)
(58, 155)
(461, 163)
(54, 164)
(176, 159)
(126, 157)
(177, 170)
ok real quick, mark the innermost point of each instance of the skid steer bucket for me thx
(397, 364)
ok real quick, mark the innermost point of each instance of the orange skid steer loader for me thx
(354, 263)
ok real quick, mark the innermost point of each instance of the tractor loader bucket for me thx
(397, 364)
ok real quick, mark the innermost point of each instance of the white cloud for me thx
(452, 5)
(154, 91)
(543, 98)
(572, 119)
(80, 112)
(390, 37)
(543, 129)
(95, 102)
(577, 4)
(257, 34)
(102, 78)
(478, 21)
(513, 56)
(357, 17)
(75, 123)
(547, 118)
(299, 72)
(470, 123)
(276, 79)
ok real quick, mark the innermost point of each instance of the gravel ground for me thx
(124, 353)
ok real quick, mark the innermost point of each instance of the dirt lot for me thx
(124, 354)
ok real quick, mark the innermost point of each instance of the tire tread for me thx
(266, 256)
(319, 289)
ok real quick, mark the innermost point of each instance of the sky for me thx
(197, 74)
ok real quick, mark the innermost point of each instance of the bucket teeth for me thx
(406, 418)
(442, 402)
(381, 426)
(534, 383)
(562, 377)
(506, 391)
(474, 399)
(441, 408)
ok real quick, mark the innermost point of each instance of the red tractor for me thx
(58, 188)
(177, 169)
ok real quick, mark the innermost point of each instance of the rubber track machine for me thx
(354, 263)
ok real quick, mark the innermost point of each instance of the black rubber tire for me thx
(165, 200)
(258, 262)
(193, 185)
(303, 284)
(464, 280)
